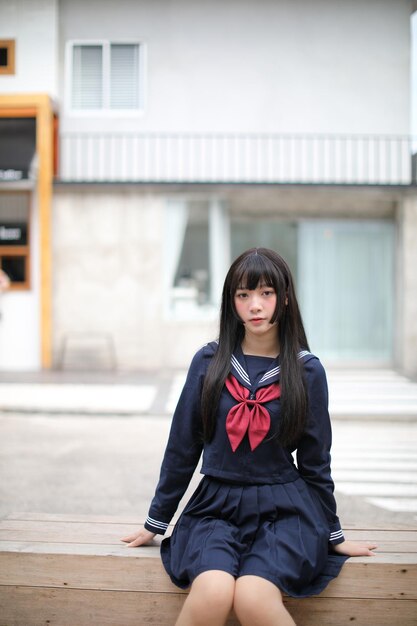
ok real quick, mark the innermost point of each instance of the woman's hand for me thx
(352, 548)
(142, 537)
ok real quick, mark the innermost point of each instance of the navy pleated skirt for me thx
(278, 532)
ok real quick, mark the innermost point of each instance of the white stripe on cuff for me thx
(337, 534)
(156, 523)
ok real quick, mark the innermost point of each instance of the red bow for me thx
(249, 415)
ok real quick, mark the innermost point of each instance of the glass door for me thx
(346, 288)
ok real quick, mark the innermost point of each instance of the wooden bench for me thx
(73, 571)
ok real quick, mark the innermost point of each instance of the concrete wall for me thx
(327, 66)
(108, 282)
(106, 250)
(34, 26)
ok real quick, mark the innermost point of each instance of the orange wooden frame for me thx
(22, 251)
(10, 46)
(40, 107)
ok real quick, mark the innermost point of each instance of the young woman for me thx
(258, 524)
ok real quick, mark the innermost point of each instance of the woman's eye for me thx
(268, 293)
(242, 295)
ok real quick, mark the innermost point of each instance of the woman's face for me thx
(256, 308)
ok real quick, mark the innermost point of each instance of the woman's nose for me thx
(255, 304)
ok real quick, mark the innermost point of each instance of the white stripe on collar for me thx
(241, 371)
(276, 370)
(271, 373)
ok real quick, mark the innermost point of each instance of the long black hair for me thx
(255, 266)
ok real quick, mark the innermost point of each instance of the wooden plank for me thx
(398, 546)
(66, 607)
(78, 517)
(381, 535)
(385, 554)
(387, 550)
(371, 579)
(34, 544)
(90, 549)
(77, 532)
(112, 519)
(88, 529)
(64, 535)
(85, 521)
(119, 548)
(320, 611)
(85, 572)
(110, 532)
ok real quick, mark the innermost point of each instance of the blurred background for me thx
(144, 145)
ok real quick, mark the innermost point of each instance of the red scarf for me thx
(249, 414)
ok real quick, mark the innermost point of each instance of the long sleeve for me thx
(182, 452)
(313, 451)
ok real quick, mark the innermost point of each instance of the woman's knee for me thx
(257, 600)
(213, 591)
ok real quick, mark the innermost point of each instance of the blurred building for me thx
(144, 144)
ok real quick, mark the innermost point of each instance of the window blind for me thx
(87, 77)
(124, 76)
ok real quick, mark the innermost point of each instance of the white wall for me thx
(34, 26)
(327, 66)
(20, 322)
(414, 79)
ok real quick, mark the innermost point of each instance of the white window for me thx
(196, 256)
(105, 76)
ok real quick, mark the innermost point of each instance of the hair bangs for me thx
(255, 270)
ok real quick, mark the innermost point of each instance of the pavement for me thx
(380, 394)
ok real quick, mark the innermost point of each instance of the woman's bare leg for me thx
(209, 601)
(258, 602)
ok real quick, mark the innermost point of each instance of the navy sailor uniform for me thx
(255, 511)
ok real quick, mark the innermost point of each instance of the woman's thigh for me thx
(209, 601)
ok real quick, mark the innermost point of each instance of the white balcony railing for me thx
(113, 157)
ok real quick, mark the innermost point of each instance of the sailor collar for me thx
(239, 369)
